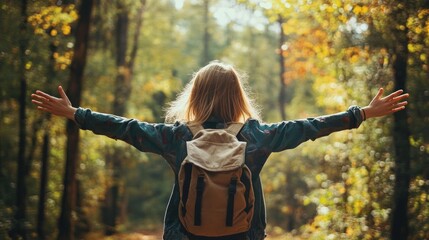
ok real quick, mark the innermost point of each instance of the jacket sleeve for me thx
(289, 134)
(147, 137)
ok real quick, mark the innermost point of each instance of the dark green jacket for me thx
(169, 141)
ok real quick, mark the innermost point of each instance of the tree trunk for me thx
(45, 152)
(282, 94)
(401, 133)
(83, 226)
(206, 37)
(65, 223)
(114, 199)
(43, 185)
(18, 230)
(122, 93)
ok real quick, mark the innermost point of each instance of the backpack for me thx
(216, 192)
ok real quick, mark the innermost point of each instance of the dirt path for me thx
(141, 236)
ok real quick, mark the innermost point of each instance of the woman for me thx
(214, 98)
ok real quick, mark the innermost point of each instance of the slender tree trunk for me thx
(19, 229)
(43, 183)
(123, 80)
(282, 94)
(83, 226)
(206, 37)
(115, 198)
(289, 197)
(401, 133)
(65, 223)
(122, 93)
(45, 152)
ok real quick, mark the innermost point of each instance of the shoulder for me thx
(257, 128)
(254, 125)
(180, 130)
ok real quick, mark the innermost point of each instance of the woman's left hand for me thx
(58, 106)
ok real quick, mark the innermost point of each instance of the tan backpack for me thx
(216, 193)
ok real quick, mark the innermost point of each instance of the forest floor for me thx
(147, 236)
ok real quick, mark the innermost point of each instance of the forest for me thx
(302, 58)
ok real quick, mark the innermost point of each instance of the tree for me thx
(45, 154)
(206, 55)
(66, 221)
(114, 198)
(401, 134)
(282, 93)
(21, 189)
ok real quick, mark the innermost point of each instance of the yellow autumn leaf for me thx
(423, 197)
(54, 32)
(330, 9)
(342, 18)
(66, 29)
(48, 18)
(73, 15)
(28, 65)
(349, 231)
(354, 58)
(418, 30)
(411, 48)
(357, 10)
(423, 13)
(341, 189)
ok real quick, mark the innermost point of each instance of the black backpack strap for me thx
(186, 184)
(246, 181)
(230, 207)
(198, 200)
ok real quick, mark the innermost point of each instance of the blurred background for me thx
(303, 58)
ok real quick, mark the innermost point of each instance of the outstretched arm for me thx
(147, 137)
(289, 134)
(381, 106)
(58, 106)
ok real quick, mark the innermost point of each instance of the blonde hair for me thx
(216, 91)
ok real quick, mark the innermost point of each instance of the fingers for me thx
(396, 105)
(379, 93)
(398, 108)
(58, 106)
(402, 104)
(400, 97)
(45, 95)
(393, 95)
(44, 98)
(62, 93)
(39, 100)
(395, 101)
(44, 101)
(43, 109)
(381, 106)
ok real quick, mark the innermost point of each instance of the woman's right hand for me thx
(58, 106)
